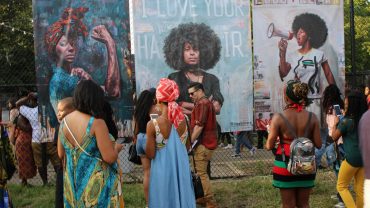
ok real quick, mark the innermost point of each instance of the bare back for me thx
(298, 120)
(165, 127)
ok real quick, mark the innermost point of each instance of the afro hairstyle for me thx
(314, 26)
(200, 36)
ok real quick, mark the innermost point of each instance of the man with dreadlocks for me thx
(306, 63)
(191, 49)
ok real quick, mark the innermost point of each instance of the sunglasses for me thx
(192, 93)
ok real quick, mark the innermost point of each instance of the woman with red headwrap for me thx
(61, 41)
(170, 177)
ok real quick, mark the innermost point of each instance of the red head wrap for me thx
(168, 91)
(69, 24)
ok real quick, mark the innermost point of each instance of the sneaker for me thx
(236, 155)
(229, 146)
(253, 151)
(340, 205)
(221, 145)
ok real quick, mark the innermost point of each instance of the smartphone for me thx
(153, 116)
(337, 110)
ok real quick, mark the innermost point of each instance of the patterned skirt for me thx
(282, 178)
(23, 149)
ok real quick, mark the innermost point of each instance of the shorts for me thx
(141, 144)
(51, 154)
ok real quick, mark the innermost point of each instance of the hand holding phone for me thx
(337, 110)
(153, 116)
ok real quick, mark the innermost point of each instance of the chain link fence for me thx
(18, 77)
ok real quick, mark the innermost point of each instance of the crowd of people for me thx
(84, 156)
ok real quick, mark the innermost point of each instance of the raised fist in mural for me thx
(101, 34)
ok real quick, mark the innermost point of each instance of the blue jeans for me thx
(243, 138)
(141, 144)
(321, 151)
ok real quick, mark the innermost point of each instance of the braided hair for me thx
(297, 92)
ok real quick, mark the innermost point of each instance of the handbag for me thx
(132, 155)
(197, 182)
(120, 195)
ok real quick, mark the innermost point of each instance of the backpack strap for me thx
(290, 127)
(293, 131)
(308, 124)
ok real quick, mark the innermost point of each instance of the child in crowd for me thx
(65, 106)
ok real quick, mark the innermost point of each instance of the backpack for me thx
(302, 152)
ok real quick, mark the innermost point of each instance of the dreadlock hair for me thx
(356, 106)
(332, 97)
(199, 36)
(314, 26)
(141, 114)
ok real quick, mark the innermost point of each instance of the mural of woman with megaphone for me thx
(306, 63)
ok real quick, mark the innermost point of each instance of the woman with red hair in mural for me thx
(61, 42)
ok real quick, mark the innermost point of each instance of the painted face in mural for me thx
(65, 50)
(301, 37)
(191, 55)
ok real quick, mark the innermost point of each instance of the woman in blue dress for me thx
(170, 177)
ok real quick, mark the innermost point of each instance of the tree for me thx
(17, 60)
(362, 35)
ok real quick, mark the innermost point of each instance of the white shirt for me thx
(303, 68)
(32, 114)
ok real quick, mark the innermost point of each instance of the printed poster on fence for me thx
(198, 41)
(301, 40)
(77, 40)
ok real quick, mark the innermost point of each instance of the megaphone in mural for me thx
(272, 31)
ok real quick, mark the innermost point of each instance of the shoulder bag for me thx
(132, 153)
(197, 182)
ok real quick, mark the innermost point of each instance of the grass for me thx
(250, 192)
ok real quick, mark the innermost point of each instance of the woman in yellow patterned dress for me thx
(91, 178)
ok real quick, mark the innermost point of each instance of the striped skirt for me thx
(282, 178)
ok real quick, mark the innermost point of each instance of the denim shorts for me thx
(141, 144)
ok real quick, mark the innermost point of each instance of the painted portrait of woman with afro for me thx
(306, 63)
(191, 49)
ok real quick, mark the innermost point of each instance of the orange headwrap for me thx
(168, 91)
(71, 23)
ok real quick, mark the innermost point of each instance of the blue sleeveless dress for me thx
(170, 177)
(88, 182)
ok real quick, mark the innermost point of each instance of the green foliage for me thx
(16, 43)
(362, 35)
